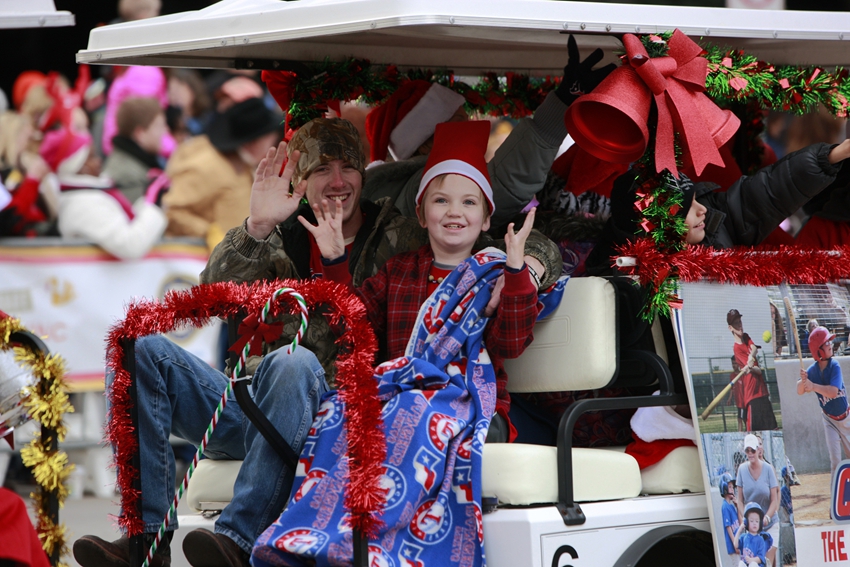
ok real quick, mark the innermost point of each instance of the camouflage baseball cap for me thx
(323, 140)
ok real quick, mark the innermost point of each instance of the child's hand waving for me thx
(515, 241)
(515, 248)
(328, 229)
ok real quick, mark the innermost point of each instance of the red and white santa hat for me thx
(459, 148)
(407, 119)
(65, 150)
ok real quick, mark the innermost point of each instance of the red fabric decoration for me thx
(382, 120)
(779, 238)
(647, 454)
(257, 332)
(585, 172)
(357, 388)
(819, 232)
(281, 85)
(760, 266)
(21, 544)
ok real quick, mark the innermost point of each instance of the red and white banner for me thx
(71, 294)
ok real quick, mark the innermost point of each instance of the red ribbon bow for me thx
(675, 82)
(258, 332)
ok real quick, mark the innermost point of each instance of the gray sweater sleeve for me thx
(518, 169)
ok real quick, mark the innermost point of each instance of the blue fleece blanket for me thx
(437, 404)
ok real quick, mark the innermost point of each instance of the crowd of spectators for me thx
(132, 156)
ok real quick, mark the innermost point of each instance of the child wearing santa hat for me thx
(402, 129)
(90, 207)
(454, 203)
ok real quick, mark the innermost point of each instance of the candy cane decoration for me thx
(237, 369)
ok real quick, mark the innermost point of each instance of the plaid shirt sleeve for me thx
(373, 294)
(510, 331)
(407, 291)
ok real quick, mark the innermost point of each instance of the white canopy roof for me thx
(33, 14)
(467, 36)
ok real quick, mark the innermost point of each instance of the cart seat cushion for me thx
(677, 472)
(212, 484)
(521, 474)
(575, 348)
(515, 473)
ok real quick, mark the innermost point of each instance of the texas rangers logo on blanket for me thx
(328, 417)
(438, 400)
(394, 486)
(302, 541)
(432, 521)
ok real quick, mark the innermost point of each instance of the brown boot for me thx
(91, 551)
(203, 548)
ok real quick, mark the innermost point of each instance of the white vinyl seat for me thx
(575, 348)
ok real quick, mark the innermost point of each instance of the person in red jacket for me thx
(756, 400)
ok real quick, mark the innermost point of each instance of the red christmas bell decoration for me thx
(610, 122)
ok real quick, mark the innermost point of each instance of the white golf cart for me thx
(626, 516)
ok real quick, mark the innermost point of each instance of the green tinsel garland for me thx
(733, 76)
(736, 76)
(514, 95)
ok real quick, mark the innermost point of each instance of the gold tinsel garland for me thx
(47, 401)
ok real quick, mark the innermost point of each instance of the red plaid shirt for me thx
(395, 294)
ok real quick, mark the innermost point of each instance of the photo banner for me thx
(771, 443)
(70, 294)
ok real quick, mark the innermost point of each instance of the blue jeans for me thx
(178, 393)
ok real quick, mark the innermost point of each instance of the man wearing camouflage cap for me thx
(177, 392)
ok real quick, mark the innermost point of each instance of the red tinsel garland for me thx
(357, 388)
(760, 266)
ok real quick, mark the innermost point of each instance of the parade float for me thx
(551, 505)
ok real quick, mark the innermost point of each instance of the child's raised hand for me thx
(515, 241)
(328, 229)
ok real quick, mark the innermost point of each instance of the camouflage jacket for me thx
(285, 253)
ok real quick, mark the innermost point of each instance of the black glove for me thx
(579, 76)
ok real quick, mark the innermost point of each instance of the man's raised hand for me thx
(328, 229)
(271, 199)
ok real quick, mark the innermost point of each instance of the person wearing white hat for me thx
(756, 482)
(825, 379)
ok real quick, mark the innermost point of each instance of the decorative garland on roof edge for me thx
(733, 75)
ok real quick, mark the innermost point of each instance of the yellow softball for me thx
(767, 335)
